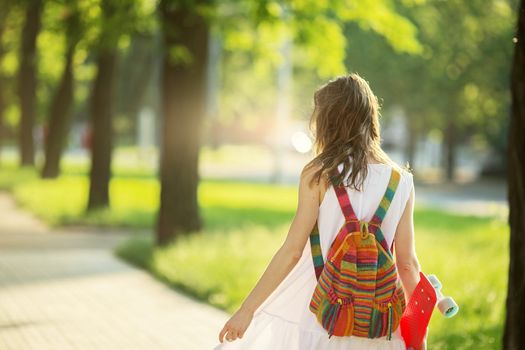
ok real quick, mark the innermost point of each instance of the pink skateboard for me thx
(416, 317)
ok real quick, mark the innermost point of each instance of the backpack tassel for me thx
(331, 317)
(389, 337)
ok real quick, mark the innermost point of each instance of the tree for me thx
(514, 337)
(118, 19)
(60, 110)
(101, 106)
(185, 34)
(27, 80)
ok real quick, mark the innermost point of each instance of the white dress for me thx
(283, 321)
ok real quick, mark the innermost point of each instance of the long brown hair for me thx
(345, 124)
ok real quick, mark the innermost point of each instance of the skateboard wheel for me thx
(448, 307)
(435, 282)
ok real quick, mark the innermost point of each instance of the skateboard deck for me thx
(418, 311)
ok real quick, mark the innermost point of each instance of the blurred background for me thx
(173, 133)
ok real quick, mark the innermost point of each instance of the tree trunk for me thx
(3, 86)
(101, 110)
(102, 103)
(27, 82)
(60, 111)
(514, 337)
(183, 109)
(59, 119)
(450, 150)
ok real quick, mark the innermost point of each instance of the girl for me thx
(275, 315)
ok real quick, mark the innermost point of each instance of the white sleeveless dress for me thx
(283, 321)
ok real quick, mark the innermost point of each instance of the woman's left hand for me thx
(236, 325)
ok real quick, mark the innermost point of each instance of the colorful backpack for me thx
(358, 292)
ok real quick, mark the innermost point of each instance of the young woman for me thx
(275, 315)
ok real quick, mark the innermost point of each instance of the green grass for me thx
(247, 222)
(134, 200)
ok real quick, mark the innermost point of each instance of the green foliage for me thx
(254, 32)
(383, 18)
(180, 54)
(461, 75)
(308, 23)
(10, 22)
(64, 24)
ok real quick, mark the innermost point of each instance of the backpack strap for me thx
(350, 218)
(344, 201)
(379, 215)
(317, 255)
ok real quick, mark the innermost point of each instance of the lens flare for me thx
(301, 142)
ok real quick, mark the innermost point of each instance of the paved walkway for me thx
(482, 198)
(63, 289)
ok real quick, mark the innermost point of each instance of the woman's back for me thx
(364, 203)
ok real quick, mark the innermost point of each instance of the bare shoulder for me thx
(309, 173)
(312, 183)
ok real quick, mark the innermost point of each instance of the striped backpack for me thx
(358, 292)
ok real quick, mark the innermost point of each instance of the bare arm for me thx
(406, 257)
(284, 259)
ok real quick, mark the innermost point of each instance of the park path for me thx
(479, 198)
(64, 289)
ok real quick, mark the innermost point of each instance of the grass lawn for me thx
(246, 223)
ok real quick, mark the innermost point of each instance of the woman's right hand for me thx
(236, 325)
